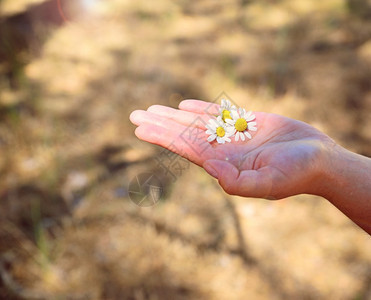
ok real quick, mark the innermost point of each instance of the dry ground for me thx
(68, 229)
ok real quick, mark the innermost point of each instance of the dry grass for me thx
(68, 228)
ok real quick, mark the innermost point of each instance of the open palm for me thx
(281, 159)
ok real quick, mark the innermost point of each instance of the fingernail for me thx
(209, 169)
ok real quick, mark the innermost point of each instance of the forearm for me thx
(346, 183)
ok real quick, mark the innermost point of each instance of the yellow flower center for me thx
(241, 124)
(226, 114)
(220, 131)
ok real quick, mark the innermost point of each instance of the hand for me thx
(283, 158)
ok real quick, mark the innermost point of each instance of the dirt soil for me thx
(70, 75)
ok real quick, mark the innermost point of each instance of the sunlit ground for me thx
(68, 152)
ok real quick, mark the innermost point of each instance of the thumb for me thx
(248, 183)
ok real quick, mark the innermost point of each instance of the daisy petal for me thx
(234, 115)
(230, 132)
(252, 128)
(214, 124)
(229, 121)
(211, 138)
(248, 135)
(220, 140)
(242, 136)
(250, 118)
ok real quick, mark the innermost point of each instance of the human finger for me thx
(208, 108)
(180, 116)
(139, 117)
(248, 183)
(198, 106)
(176, 138)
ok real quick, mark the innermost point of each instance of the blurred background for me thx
(70, 74)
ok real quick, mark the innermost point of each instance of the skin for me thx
(285, 157)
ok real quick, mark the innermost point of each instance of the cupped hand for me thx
(283, 158)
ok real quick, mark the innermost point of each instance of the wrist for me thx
(338, 169)
(326, 154)
(327, 169)
(343, 180)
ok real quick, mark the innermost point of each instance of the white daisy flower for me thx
(241, 123)
(219, 130)
(226, 109)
